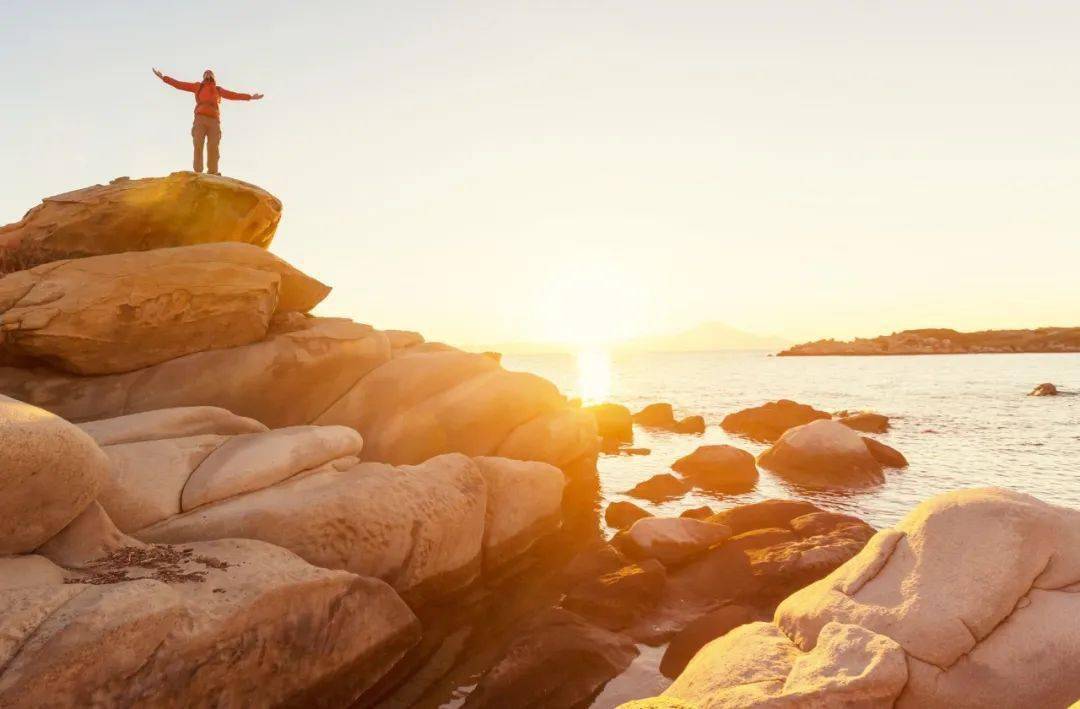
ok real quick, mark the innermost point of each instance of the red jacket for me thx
(208, 95)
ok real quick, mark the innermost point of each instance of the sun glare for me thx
(594, 375)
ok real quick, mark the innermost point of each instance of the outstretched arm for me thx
(182, 85)
(237, 96)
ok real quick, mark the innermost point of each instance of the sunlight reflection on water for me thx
(593, 375)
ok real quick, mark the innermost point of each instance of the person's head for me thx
(208, 75)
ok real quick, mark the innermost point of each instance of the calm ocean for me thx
(961, 420)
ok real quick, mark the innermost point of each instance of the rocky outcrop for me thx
(823, 453)
(722, 468)
(947, 341)
(969, 593)
(766, 423)
(557, 660)
(121, 312)
(182, 209)
(233, 622)
(50, 471)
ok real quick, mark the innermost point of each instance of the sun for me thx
(588, 305)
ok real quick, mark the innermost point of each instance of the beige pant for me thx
(206, 130)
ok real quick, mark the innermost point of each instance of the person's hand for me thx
(158, 74)
(256, 97)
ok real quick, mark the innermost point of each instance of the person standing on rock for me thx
(207, 126)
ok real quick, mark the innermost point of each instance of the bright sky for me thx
(494, 171)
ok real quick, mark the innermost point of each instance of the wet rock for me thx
(595, 560)
(50, 472)
(612, 421)
(659, 488)
(690, 424)
(703, 512)
(702, 631)
(886, 455)
(766, 423)
(722, 468)
(656, 416)
(865, 421)
(762, 515)
(621, 514)
(152, 213)
(672, 540)
(558, 660)
(617, 599)
(1044, 389)
(823, 453)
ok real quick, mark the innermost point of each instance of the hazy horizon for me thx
(602, 171)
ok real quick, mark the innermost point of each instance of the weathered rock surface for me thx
(290, 378)
(420, 528)
(621, 514)
(152, 213)
(613, 421)
(865, 421)
(886, 455)
(213, 624)
(558, 660)
(50, 471)
(755, 665)
(672, 540)
(616, 599)
(699, 633)
(26, 570)
(659, 488)
(722, 468)
(656, 416)
(766, 423)
(89, 537)
(178, 422)
(973, 594)
(524, 503)
(253, 461)
(121, 312)
(823, 453)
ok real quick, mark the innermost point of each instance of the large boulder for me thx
(290, 378)
(121, 312)
(557, 660)
(136, 215)
(766, 423)
(231, 622)
(50, 471)
(1044, 389)
(420, 528)
(699, 633)
(823, 453)
(979, 589)
(671, 540)
(886, 455)
(865, 421)
(722, 468)
(621, 514)
(613, 421)
(658, 488)
(524, 504)
(656, 416)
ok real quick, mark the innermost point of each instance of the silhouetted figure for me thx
(207, 126)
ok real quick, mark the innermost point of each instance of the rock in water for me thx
(672, 540)
(886, 455)
(617, 599)
(558, 660)
(865, 421)
(50, 471)
(136, 215)
(121, 312)
(722, 468)
(659, 488)
(969, 601)
(613, 421)
(767, 514)
(1044, 389)
(766, 423)
(690, 424)
(656, 416)
(823, 453)
(620, 514)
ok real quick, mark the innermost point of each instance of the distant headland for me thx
(946, 341)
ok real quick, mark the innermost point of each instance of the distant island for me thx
(946, 341)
